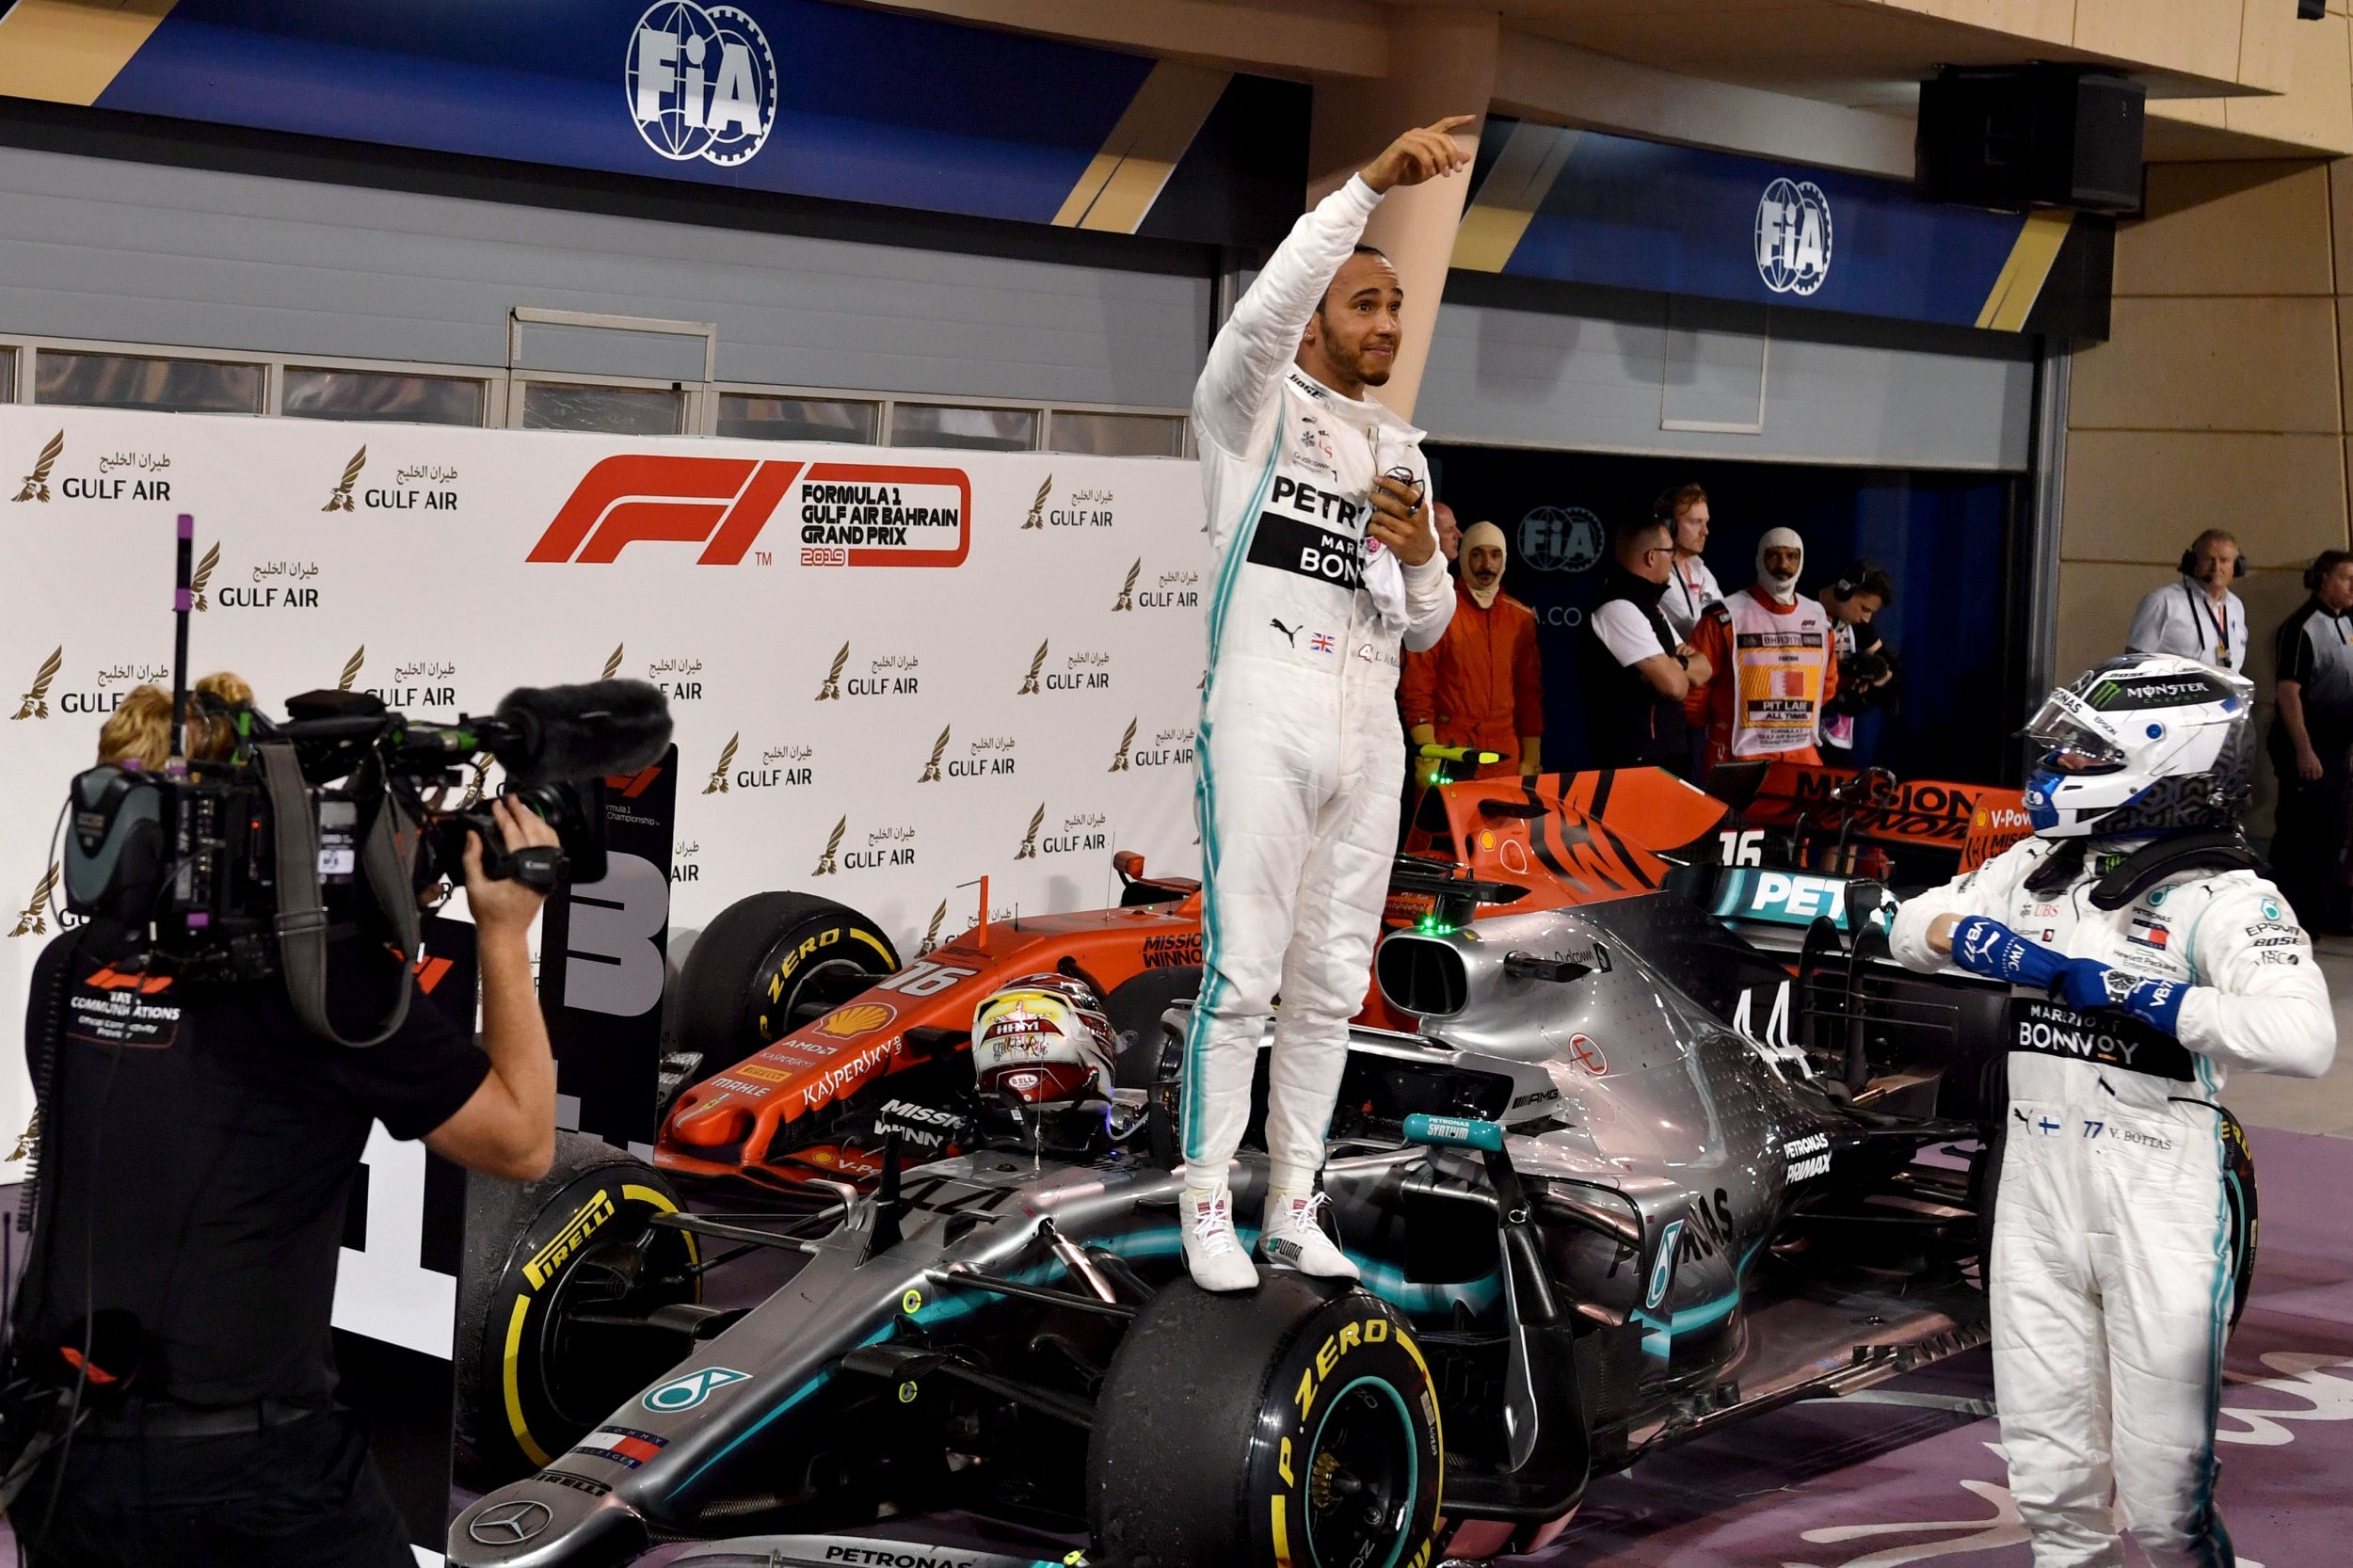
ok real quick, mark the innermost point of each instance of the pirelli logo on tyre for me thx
(846, 514)
(585, 1222)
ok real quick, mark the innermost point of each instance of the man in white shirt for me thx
(1692, 588)
(1634, 672)
(2198, 617)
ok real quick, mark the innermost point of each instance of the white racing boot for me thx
(1213, 1253)
(1293, 1236)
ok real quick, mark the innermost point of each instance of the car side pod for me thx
(1548, 1452)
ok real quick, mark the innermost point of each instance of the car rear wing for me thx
(1974, 821)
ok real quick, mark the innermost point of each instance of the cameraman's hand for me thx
(504, 905)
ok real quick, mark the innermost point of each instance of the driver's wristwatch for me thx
(2121, 986)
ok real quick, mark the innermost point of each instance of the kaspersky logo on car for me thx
(850, 514)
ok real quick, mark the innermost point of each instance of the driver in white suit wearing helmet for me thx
(2148, 960)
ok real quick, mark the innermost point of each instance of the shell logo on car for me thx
(862, 1019)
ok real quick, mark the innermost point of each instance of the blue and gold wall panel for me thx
(796, 97)
(1586, 207)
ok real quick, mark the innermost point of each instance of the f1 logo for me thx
(719, 503)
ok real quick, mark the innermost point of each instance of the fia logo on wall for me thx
(701, 83)
(1792, 237)
(1560, 539)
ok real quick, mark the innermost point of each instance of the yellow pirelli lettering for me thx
(1328, 1356)
(1306, 1395)
(1377, 1330)
(585, 1222)
(1350, 1335)
(1282, 1464)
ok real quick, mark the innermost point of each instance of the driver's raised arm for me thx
(1261, 337)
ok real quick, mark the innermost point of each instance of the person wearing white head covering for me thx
(1775, 659)
(1484, 685)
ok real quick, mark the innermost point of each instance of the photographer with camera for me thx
(198, 1151)
(1867, 665)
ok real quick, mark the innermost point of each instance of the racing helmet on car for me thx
(2148, 742)
(1043, 1040)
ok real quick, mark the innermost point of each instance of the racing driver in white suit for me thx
(2148, 960)
(1326, 561)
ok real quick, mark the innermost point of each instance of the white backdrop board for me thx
(892, 672)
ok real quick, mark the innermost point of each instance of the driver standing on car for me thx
(1325, 564)
(2148, 959)
(191, 1204)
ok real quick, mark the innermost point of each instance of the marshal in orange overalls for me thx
(1482, 685)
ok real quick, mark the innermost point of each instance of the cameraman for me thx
(1867, 665)
(192, 1191)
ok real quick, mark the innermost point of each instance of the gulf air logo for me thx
(850, 514)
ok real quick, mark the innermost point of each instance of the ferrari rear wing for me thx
(1975, 821)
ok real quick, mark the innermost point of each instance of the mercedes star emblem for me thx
(510, 1524)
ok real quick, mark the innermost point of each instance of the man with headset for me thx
(2311, 734)
(196, 1164)
(2198, 617)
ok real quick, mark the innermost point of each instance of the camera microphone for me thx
(580, 732)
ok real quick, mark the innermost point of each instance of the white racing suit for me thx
(1297, 776)
(2111, 1272)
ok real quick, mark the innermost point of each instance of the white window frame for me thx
(502, 386)
(700, 415)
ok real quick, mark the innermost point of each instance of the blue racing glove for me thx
(1985, 946)
(2087, 984)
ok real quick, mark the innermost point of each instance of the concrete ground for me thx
(2305, 1105)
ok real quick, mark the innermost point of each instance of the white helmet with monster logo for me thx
(2145, 743)
(1043, 1040)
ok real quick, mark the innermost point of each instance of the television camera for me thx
(329, 826)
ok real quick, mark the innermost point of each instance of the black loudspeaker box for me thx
(2036, 135)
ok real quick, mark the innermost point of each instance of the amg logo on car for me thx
(585, 1222)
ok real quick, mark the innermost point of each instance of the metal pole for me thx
(181, 596)
(2046, 503)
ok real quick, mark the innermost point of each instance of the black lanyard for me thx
(2221, 623)
(1688, 602)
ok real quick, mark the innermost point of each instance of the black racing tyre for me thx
(1295, 1424)
(1134, 1008)
(767, 965)
(531, 1379)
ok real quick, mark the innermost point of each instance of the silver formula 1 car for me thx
(1617, 1168)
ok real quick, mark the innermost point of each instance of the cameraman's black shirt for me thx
(197, 1151)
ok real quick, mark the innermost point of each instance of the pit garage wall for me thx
(2219, 402)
